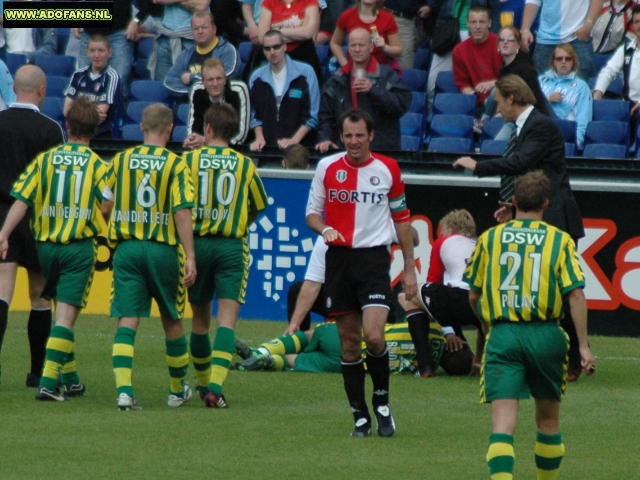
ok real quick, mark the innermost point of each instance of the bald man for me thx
(24, 133)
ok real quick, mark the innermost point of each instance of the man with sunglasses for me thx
(283, 86)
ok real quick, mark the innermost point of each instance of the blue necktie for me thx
(507, 181)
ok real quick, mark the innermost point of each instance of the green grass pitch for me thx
(287, 425)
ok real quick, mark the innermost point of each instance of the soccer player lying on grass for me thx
(63, 187)
(318, 350)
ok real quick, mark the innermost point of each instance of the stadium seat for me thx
(415, 80)
(61, 65)
(450, 145)
(491, 127)
(63, 39)
(14, 61)
(446, 83)
(52, 108)
(568, 128)
(132, 132)
(141, 70)
(244, 49)
(182, 116)
(323, 54)
(144, 47)
(604, 150)
(460, 126)
(454, 104)
(134, 112)
(606, 109)
(418, 102)
(600, 61)
(149, 91)
(614, 90)
(411, 142)
(411, 124)
(603, 131)
(56, 86)
(569, 149)
(493, 147)
(422, 59)
(179, 133)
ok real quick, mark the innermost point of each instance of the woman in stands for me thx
(570, 96)
(368, 14)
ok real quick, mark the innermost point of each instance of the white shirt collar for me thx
(29, 106)
(523, 118)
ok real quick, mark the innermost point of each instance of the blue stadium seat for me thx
(418, 102)
(415, 80)
(614, 90)
(149, 91)
(603, 131)
(411, 142)
(604, 150)
(491, 127)
(460, 126)
(617, 110)
(56, 86)
(141, 70)
(134, 112)
(568, 128)
(244, 49)
(412, 124)
(493, 147)
(61, 65)
(144, 47)
(446, 83)
(132, 132)
(569, 149)
(63, 39)
(600, 61)
(450, 145)
(52, 108)
(323, 54)
(179, 133)
(14, 61)
(454, 104)
(182, 116)
(422, 59)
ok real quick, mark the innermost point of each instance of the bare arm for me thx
(578, 305)
(105, 209)
(252, 26)
(529, 15)
(329, 234)
(308, 294)
(393, 46)
(308, 30)
(336, 46)
(16, 213)
(409, 279)
(584, 32)
(264, 23)
(184, 226)
(296, 138)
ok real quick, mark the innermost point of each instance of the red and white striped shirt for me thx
(448, 260)
(361, 201)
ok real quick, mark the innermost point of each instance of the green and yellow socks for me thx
(549, 453)
(223, 349)
(285, 345)
(60, 356)
(501, 456)
(201, 356)
(178, 363)
(122, 359)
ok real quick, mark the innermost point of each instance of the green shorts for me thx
(317, 362)
(143, 270)
(223, 269)
(524, 359)
(68, 270)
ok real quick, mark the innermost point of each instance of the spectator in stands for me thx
(625, 61)
(327, 26)
(216, 88)
(7, 95)
(561, 21)
(228, 15)
(382, 26)
(299, 22)
(285, 97)
(31, 42)
(569, 95)
(477, 61)
(174, 34)
(100, 83)
(121, 35)
(186, 69)
(405, 13)
(444, 10)
(613, 24)
(364, 84)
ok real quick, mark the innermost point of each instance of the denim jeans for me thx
(584, 50)
(164, 60)
(121, 59)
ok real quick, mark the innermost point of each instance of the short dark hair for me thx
(457, 363)
(208, 15)
(635, 11)
(531, 190)
(296, 157)
(354, 116)
(480, 9)
(223, 120)
(156, 118)
(273, 33)
(513, 85)
(97, 38)
(83, 117)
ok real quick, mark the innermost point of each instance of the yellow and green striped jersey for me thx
(228, 189)
(149, 184)
(64, 186)
(523, 268)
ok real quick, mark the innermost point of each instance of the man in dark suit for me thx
(536, 144)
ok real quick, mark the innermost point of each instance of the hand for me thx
(424, 12)
(332, 235)
(597, 95)
(465, 162)
(323, 147)
(189, 272)
(556, 97)
(527, 38)
(76, 32)
(257, 145)
(635, 108)
(454, 343)
(253, 34)
(285, 142)
(588, 361)
(475, 367)
(185, 78)
(193, 141)
(291, 329)
(379, 42)
(132, 31)
(362, 85)
(584, 32)
(504, 213)
(4, 246)
(409, 283)
(485, 87)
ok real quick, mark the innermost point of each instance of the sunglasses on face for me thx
(272, 47)
(507, 39)
(564, 59)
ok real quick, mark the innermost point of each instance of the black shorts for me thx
(356, 278)
(449, 306)
(22, 244)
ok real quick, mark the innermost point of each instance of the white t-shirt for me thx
(19, 40)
